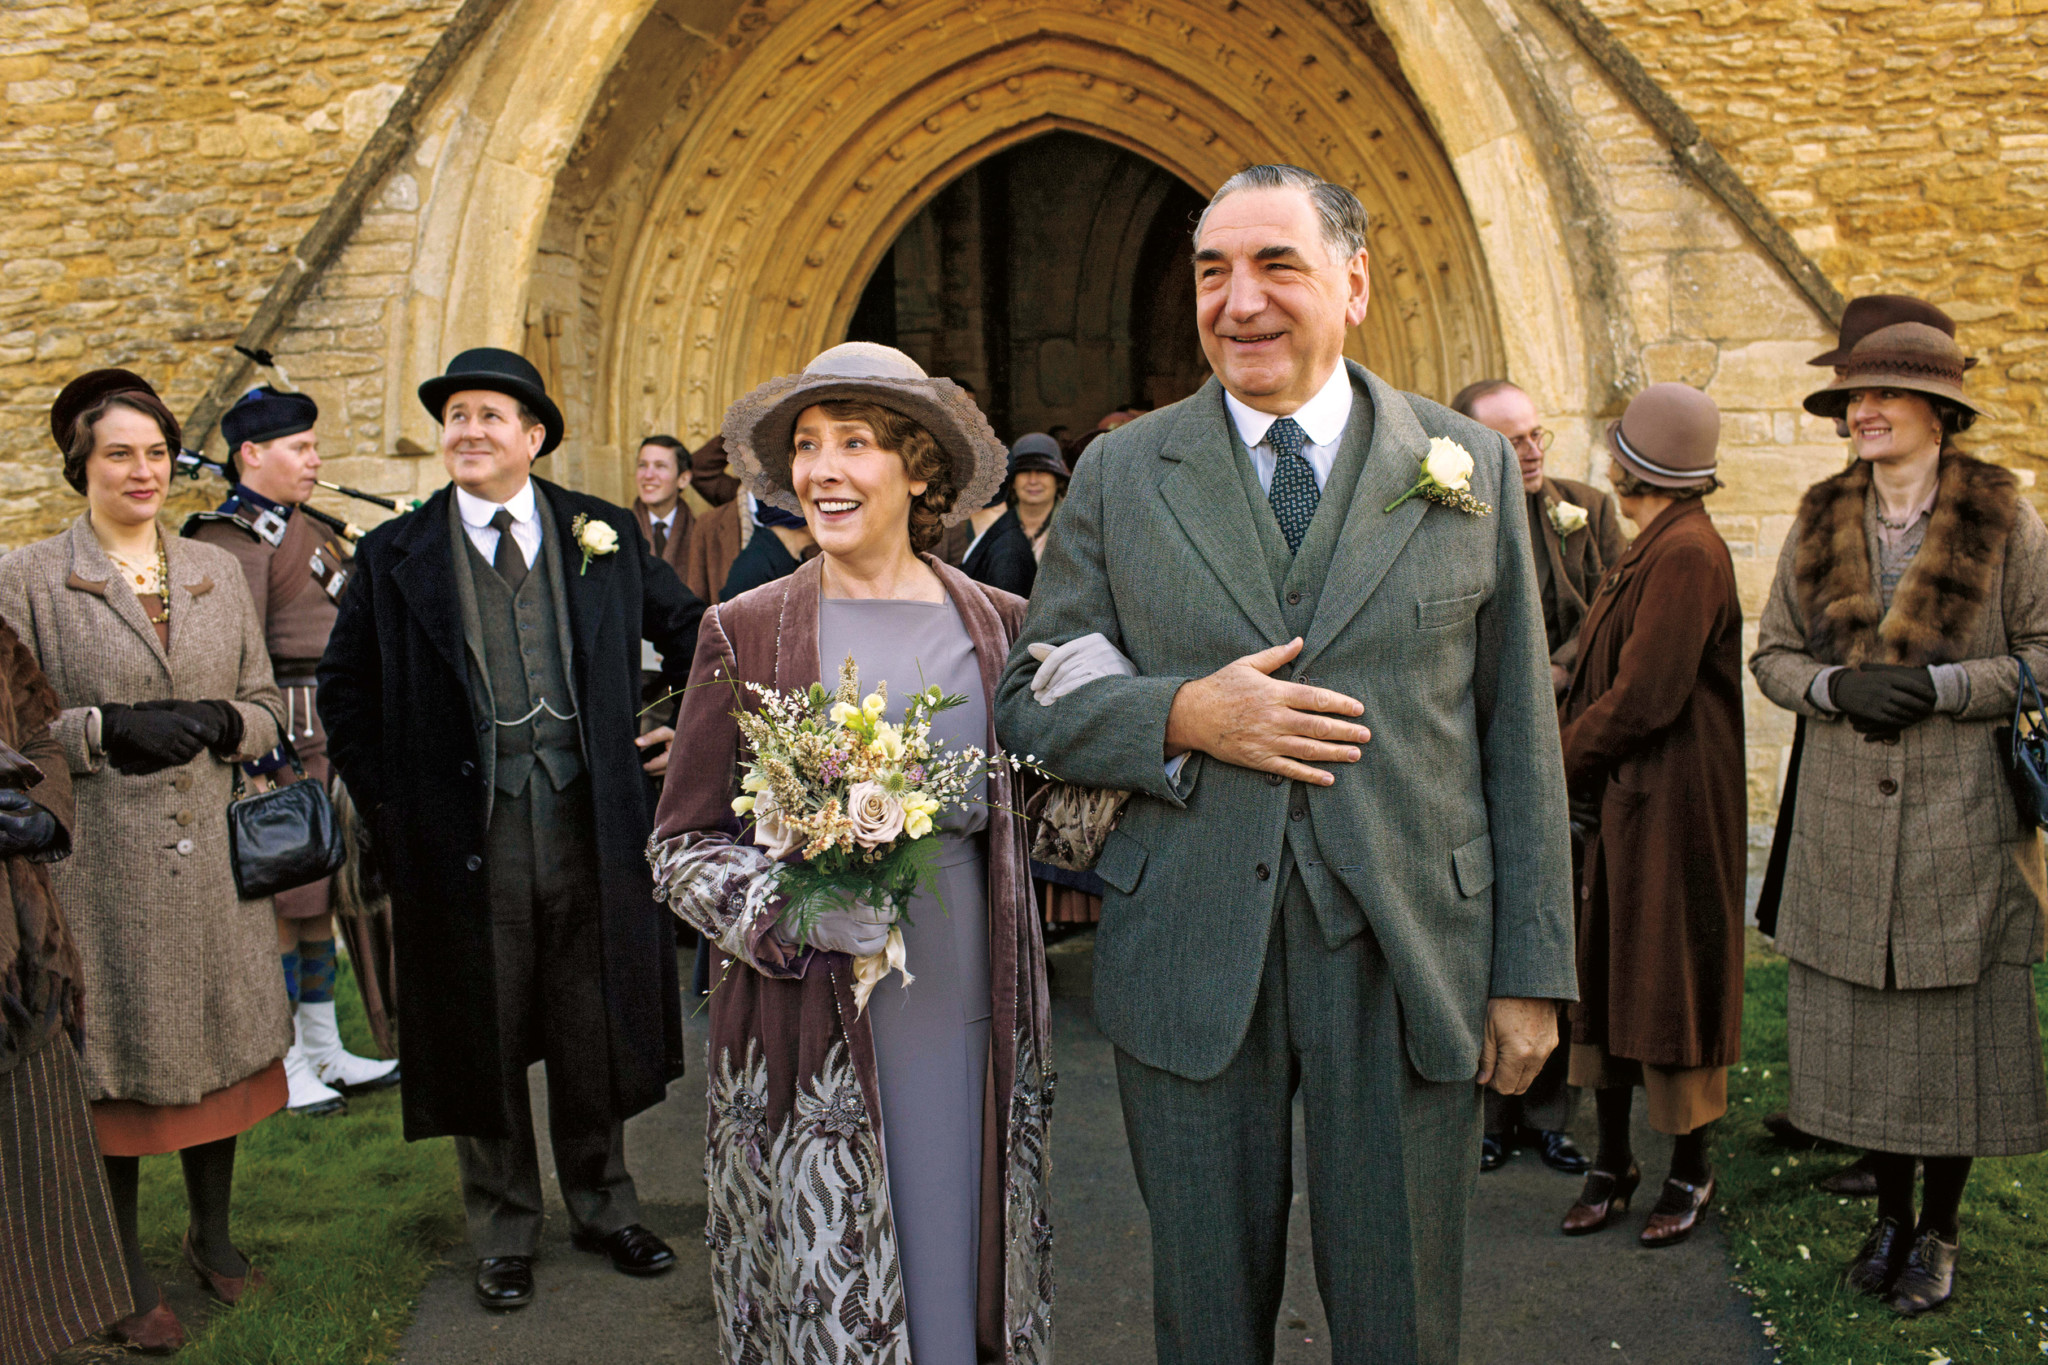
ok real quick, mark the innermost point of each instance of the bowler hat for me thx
(267, 414)
(506, 372)
(1668, 435)
(1867, 313)
(1905, 355)
(759, 428)
(1040, 452)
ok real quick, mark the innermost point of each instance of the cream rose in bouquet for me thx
(848, 803)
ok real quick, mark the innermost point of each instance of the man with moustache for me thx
(481, 688)
(1342, 871)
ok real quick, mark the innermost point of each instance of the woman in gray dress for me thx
(867, 1200)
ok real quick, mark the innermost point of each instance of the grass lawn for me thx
(345, 1216)
(1790, 1242)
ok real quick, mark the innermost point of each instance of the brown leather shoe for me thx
(1929, 1279)
(1858, 1180)
(1883, 1256)
(227, 1288)
(1602, 1197)
(1678, 1211)
(155, 1333)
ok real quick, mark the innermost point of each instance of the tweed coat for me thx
(1448, 838)
(182, 991)
(803, 1244)
(394, 691)
(1653, 732)
(1578, 561)
(1908, 857)
(716, 539)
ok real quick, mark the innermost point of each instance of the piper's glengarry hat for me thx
(267, 414)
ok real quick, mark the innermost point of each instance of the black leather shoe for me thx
(1493, 1153)
(633, 1250)
(504, 1282)
(1929, 1279)
(1558, 1150)
(1877, 1266)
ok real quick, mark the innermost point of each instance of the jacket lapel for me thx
(94, 572)
(1570, 604)
(1372, 539)
(584, 589)
(189, 583)
(1207, 498)
(796, 632)
(425, 577)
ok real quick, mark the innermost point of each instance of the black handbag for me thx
(2023, 751)
(285, 837)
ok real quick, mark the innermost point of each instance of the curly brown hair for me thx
(79, 448)
(923, 460)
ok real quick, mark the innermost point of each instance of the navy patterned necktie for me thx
(1293, 493)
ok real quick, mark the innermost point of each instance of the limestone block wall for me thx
(158, 159)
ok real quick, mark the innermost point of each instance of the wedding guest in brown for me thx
(64, 1278)
(1652, 730)
(878, 1179)
(717, 536)
(661, 474)
(1912, 586)
(155, 651)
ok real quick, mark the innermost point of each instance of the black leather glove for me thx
(1882, 699)
(26, 829)
(219, 721)
(147, 739)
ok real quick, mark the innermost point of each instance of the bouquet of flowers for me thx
(857, 797)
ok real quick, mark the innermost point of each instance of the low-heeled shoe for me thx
(1678, 1211)
(1602, 1197)
(504, 1282)
(1877, 1266)
(633, 1249)
(229, 1289)
(1857, 1180)
(1929, 1279)
(1557, 1150)
(1493, 1153)
(155, 1332)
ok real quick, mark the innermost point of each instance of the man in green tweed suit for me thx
(1343, 871)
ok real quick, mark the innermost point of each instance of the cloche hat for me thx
(506, 372)
(1868, 312)
(1038, 452)
(1668, 435)
(1905, 355)
(759, 428)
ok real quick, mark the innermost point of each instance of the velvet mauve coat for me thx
(804, 1262)
(1652, 730)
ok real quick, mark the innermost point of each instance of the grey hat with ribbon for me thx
(1668, 436)
(759, 428)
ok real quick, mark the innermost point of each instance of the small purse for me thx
(1069, 824)
(2023, 751)
(282, 838)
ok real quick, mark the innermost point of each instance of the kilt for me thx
(1952, 1071)
(64, 1278)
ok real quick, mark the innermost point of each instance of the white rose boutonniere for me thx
(593, 538)
(1446, 478)
(1567, 517)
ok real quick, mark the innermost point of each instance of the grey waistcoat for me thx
(1298, 585)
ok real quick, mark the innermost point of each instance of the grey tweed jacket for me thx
(1447, 838)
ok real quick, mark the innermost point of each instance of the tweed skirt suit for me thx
(182, 993)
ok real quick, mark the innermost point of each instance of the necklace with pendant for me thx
(150, 579)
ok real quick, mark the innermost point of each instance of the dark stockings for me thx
(1612, 1105)
(209, 1191)
(1894, 1172)
(1942, 1194)
(1689, 1156)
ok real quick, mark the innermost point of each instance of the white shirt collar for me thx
(478, 513)
(1322, 416)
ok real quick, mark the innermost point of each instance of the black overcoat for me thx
(394, 695)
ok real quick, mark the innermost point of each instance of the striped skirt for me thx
(1954, 1071)
(64, 1277)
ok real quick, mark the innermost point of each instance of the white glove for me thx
(1066, 667)
(857, 930)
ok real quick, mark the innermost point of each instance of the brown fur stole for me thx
(1942, 594)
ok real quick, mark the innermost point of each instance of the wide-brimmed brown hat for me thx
(1905, 355)
(1869, 312)
(1668, 436)
(759, 428)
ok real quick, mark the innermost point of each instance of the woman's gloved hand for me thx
(856, 930)
(1883, 699)
(144, 739)
(1063, 668)
(220, 722)
(25, 827)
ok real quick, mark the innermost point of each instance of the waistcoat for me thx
(523, 654)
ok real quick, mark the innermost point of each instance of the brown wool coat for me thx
(1578, 561)
(715, 542)
(1909, 854)
(792, 1070)
(181, 986)
(676, 553)
(41, 992)
(1652, 729)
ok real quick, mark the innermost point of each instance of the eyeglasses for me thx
(1538, 440)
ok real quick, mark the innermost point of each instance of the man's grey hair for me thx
(1342, 217)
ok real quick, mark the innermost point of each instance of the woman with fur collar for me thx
(1909, 585)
